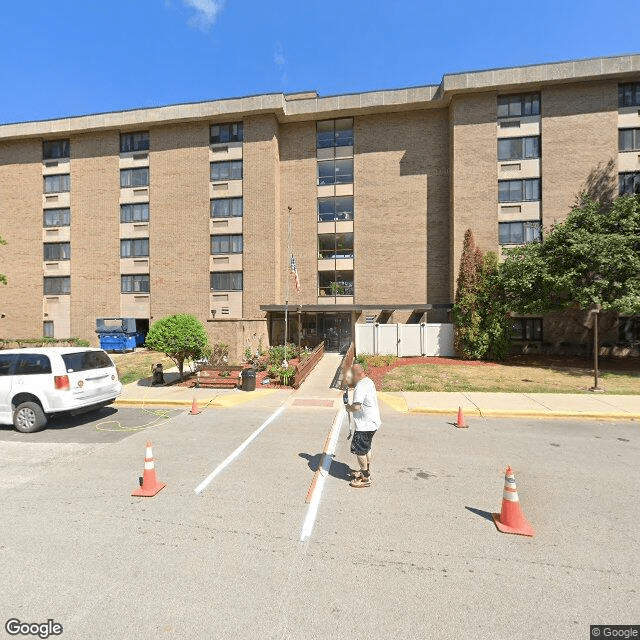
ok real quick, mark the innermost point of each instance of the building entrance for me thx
(310, 329)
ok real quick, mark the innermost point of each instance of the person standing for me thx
(366, 418)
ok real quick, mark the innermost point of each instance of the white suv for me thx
(35, 383)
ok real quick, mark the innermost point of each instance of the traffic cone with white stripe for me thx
(511, 520)
(150, 485)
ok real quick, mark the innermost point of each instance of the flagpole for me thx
(286, 301)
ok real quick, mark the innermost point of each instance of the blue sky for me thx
(82, 56)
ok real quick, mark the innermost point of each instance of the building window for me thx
(56, 217)
(60, 183)
(527, 329)
(629, 183)
(229, 170)
(134, 142)
(629, 329)
(519, 105)
(226, 208)
(519, 232)
(335, 208)
(335, 246)
(55, 149)
(519, 190)
(138, 177)
(134, 248)
(335, 171)
(47, 329)
(57, 285)
(57, 251)
(226, 281)
(221, 133)
(138, 283)
(629, 139)
(629, 94)
(334, 133)
(335, 283)
(226, 244)
(134, 212)
(523, 148)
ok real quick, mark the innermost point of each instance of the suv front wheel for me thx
(29, 417)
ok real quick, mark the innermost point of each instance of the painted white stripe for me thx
(149, 465)
(314, 503)
(230, 458)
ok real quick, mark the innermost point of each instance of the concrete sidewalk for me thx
(533, 405)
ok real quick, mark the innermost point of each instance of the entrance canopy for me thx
(294, 308)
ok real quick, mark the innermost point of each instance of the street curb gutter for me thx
(516, 413)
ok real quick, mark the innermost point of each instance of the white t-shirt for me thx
(368, 418)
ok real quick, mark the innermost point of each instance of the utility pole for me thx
(595, 310)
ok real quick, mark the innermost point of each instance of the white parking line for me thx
(327, 459)
(230, 458)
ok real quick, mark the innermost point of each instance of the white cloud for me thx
(279, 55)
(206, 12)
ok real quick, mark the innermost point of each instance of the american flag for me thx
(294, 272)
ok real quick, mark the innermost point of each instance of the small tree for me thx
(181, 337)
(3, 278)
(479, 313)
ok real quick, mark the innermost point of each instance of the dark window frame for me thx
(48, 329)
(334, 253)
(231, 137)
(65, 282)
(334, 215)
(523, 190)
(65, 152)
(532, 224)
(231, 275)
(337, 137)
(133, 242)
(134, 171)
(48, 245)
(230, 165)
(58, 209)
(139, 141)
(523, 98)
(628, 94)
(635, 139)
(635, 179)
(230, 207)
(133, 277)
(326, 180)
(59, 176)
(132, 206)
(533, 327)
(231, 238)
(350, 285)
(523, 146)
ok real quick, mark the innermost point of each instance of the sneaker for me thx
(360, 482)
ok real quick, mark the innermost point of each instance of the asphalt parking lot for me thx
(413, 556)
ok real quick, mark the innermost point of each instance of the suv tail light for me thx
(61, 382)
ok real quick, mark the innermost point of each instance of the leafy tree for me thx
(3, 278)
(480, 314)
(591, 257)
(181, 337)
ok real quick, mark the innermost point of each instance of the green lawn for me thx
(137, 365)
(509, 378)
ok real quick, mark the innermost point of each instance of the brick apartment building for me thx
(192, 208)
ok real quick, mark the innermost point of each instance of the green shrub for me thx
(374, 360)
(248, 356)
(181, 337)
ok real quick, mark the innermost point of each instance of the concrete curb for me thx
(515, 413)
(221, 401)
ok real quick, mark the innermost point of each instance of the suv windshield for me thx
(86, 360)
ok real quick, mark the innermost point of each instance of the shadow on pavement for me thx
(483, 514)
(338, 470)
(67, 421)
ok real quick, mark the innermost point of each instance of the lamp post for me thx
(595, 310)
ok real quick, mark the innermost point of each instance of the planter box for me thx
(211, 378)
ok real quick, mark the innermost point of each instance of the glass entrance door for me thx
(335, 329)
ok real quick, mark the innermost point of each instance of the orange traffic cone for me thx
(150, 485)
(194, 408)
(511, 520)
(460, 423)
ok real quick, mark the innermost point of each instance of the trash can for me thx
(248, 379)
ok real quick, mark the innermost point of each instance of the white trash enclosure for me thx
(405, 339)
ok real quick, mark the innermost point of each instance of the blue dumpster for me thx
(119, 334)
